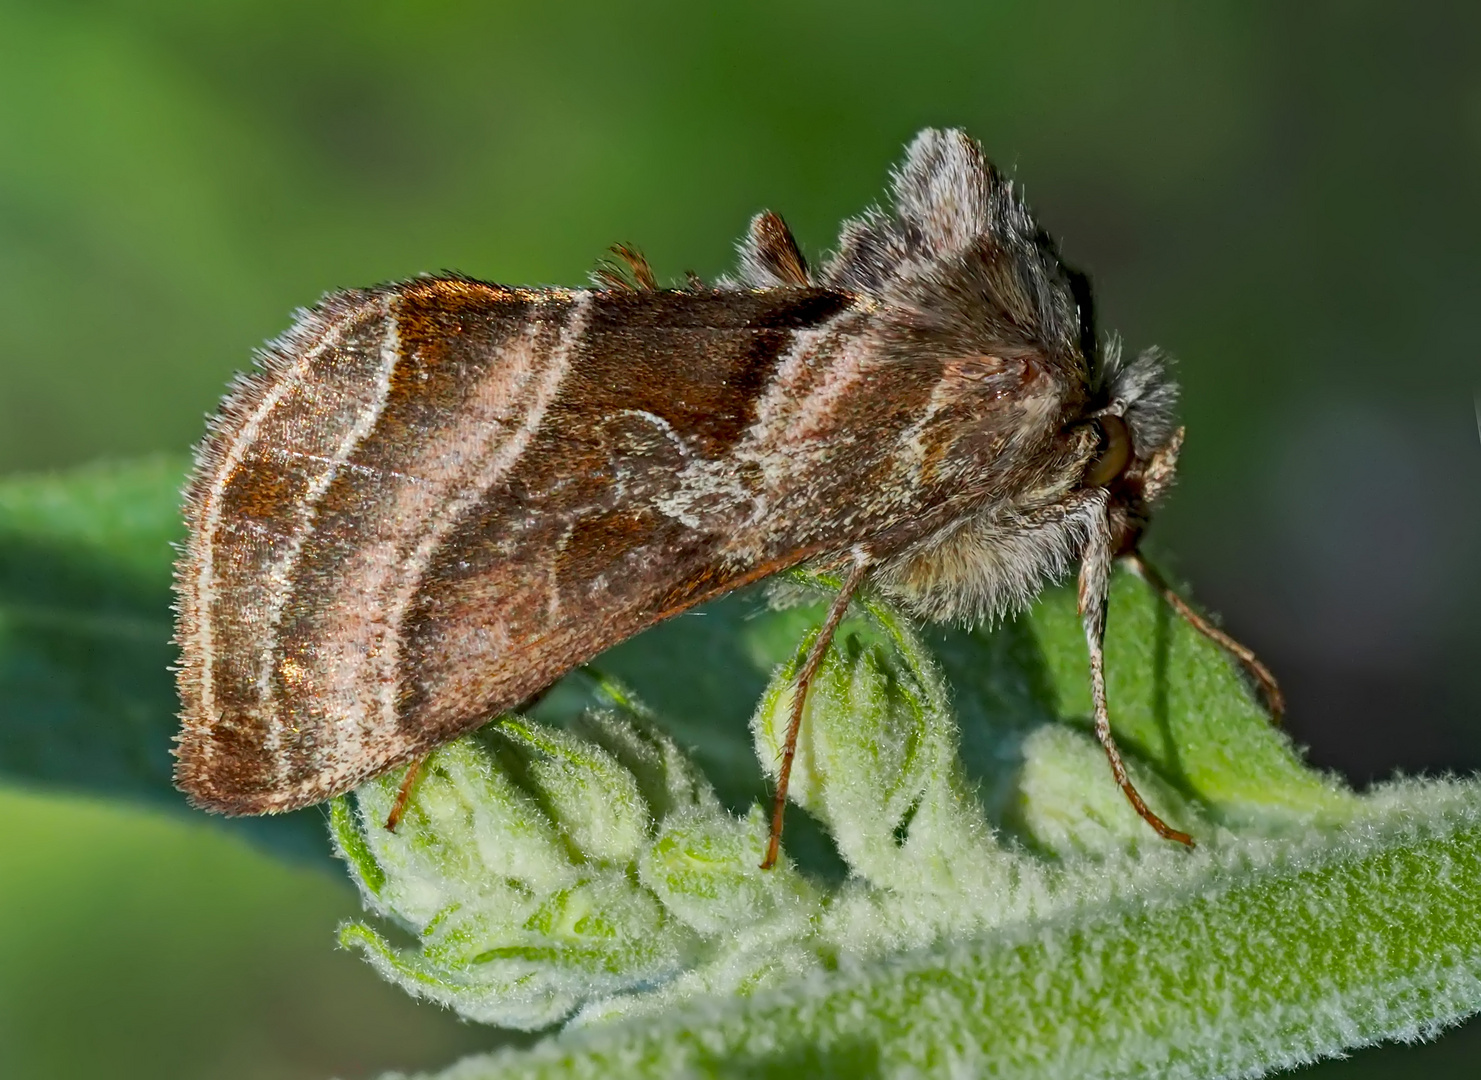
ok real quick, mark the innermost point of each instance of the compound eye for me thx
(1115, 452)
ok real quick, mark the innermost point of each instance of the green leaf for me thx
(1180, 703)
(1262, 956)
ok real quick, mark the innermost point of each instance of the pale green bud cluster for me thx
(544, 870)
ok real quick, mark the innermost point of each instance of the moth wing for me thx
(440, 497)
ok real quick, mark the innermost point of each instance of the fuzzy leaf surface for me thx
(1018, 920)
(1253, 961)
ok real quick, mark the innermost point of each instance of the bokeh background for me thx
(1285, 196)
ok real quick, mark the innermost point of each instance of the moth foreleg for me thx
(1113, 755)
(1095, 579)
(799, 699)
(1275, 701)
(770, 256)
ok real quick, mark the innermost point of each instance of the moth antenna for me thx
(403, 794)
(1095, 581)
(629, 270)
(769, 254)
(1275, 701)
(799, 698)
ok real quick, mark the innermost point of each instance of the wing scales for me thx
(459, 492)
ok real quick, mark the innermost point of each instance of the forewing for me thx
(440, 497)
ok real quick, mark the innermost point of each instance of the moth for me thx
(436, 497)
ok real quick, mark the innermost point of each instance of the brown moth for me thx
(437, 497)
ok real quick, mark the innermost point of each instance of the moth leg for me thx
(1275, 701)
(1113, 755)
(1095, 580)
(799, 698)
(403, 794)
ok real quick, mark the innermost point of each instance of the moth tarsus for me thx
(1095, 579)
(437, 497)
(800, 686)
(1275, 702)
(414, 770)
(1118, 767)
(403, 793)
(1113, 755)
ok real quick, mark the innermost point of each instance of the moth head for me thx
(1135, 440)
(959, 267)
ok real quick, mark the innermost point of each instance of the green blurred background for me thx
(1285, 196)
